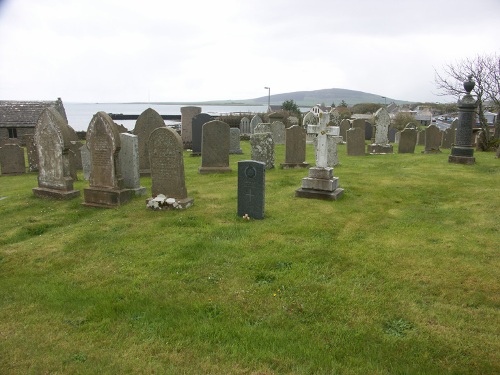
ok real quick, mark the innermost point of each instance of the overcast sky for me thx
(164, 50)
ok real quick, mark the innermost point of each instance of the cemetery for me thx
(208, 259)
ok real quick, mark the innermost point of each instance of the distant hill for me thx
(326, 96)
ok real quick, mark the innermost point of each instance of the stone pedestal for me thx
(41, 192)
(106, 198)
(379, 149)
(320, 184)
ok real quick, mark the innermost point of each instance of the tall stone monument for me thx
(320, 184)
(148, 121)
(106, 183)
(381, 144)
(462, 151)
(52, 138)
(168, 186)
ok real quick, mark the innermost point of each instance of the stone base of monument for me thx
(207, 170)
(106, 198)
(461, 159)
(320, 184)
(55, 194)
(161, 202)
(376, 149)
(294, 165)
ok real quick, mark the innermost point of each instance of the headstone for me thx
(129, 163)
(12, 159)
(234, 141)
(245, 125)
(263, 128)
(77, 157)
(407, 141)
(148, 121)
(421, 137)
(345, 125)
(254, 122)
(320, 184)
(52, 137)
(309, 119)
(392, 134)
(215, 148)
(381, 144)
(448, 137)
(85, 155)
(355, 142)
(397, 137)
(197, 128)
(332, 142)
(278, 132)
(359, 123)
(32, 153)
(251, 189)
(368, 131)
(106, 183)
(432, 140)
(187, 115)
(263, 148)
(295, 148)
(168, 186)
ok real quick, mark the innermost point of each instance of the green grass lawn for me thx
(400, 276)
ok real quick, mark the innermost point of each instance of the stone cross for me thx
(322, 138)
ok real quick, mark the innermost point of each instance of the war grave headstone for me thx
(32, 153)
(345, 125)
(421, 137)
(147, 121)
(245, 125)
(105, 183)
(448, 137)
(251, 189)
(381, 144)
(12, 159)
(432, 140)
(462, 151)
(355, 142)
(295, 148)
(278, 132)
(187, 115)
(254, 122)
(129, 163)
(234, 141)
(215, 148)
(168, 185)
(407, 141)
(262, 148)
(320, 183)
(85, 155)
(52, 137)
(196, 132)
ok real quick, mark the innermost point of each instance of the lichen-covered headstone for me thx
(32, 153)
(129, 163)
(278, 132)
(381, 143)
(254, 122)
(262, 145)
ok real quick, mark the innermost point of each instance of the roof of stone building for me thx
(17, 114)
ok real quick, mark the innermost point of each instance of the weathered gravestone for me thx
(295, 148)
(106, 183)
(355, 142)
(12, 159)
(368, 131)
(129, 163)
(332, 142)
(448, 138)
(432, 140)
(245, 125)
(32, 153)
(421, 137)
(168, 186)
(187, 115)
(215, 148)
(263, 128)
(256, 120)
(392, 134)
(196, 132)
(251, 189)
(262, 145)
(278, 132)
(381, 144)
(148, 121)
(234, 141)
(345, 125)
(85, 155)
(52, 137)
(407, 141)
(320, 184)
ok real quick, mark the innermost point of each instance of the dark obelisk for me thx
(462, 151)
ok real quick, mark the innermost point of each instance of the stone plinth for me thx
(320, 184)
(379, 149)
(55, 194)
(106, 198)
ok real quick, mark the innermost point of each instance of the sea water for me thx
(80, 114)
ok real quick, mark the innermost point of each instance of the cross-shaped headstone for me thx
(322, 132)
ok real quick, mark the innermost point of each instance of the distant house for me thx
(423, 115)
(320, 108)
(19, 118)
